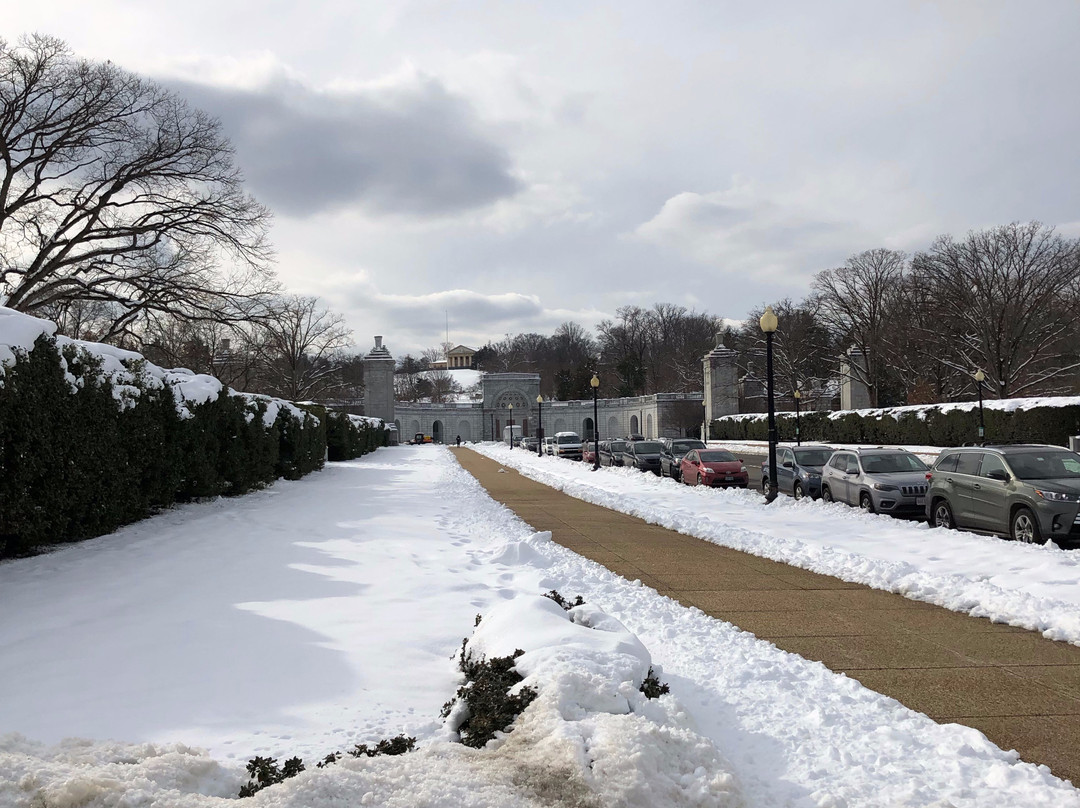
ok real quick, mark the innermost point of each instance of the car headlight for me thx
(885, 487)
(707, 470)
(743, 469)
(1057, 496)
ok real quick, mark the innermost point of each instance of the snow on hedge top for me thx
(127, 371)
(920, 410)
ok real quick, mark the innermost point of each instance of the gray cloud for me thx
(411, 149)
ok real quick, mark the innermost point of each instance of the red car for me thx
(588, 455)
(713, 467)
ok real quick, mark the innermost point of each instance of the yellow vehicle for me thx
(420, 437)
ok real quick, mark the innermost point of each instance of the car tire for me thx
(797, 491)
(942, 515)
(764, 484)
(1024, 527)
(866, 502)
(826, 494)
(699, 479)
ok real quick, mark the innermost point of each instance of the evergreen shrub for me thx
(904, 426)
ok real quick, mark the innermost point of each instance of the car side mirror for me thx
(998, 474)
(788, 464)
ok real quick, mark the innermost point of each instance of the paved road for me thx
(1021, 690)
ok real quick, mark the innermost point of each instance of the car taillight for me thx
(929, 475)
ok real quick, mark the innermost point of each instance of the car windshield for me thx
(618, 446)
(892, 463)
(568, 439)
(646, 447)
(684, 446)
(813, 457)
(719, 456)
(1049, 465)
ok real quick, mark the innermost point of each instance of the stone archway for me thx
(612, 427)
(437, 432)
(649, 426)
(587, 429)
(414, 427)
(464, 431)
(635, 427)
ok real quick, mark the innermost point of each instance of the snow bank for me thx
(1030, 586)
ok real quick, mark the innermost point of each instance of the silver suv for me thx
(1027, 491)
(891, 481)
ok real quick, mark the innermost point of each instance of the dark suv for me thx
(1027, 491)
(798, 470)
(643, 455)
(672, 451)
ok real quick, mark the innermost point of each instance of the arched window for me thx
(587, 429)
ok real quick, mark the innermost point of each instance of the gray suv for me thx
(1028, 492)
(798, 470)
(891, 481)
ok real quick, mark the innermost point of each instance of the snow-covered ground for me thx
(321, 613)
(1032, 586)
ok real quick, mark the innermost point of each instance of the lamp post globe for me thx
(769, 324)
(594, 383)
(511, 408)
(539, 425)
(980, 377)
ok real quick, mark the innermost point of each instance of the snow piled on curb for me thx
(1029, 586)
(589, 738)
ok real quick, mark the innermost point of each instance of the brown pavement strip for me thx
(1021, 690)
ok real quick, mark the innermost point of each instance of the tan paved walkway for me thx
(1021, 690)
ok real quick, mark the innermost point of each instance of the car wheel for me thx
(764, 484)
(797, 491)
(1025, 527)
(942, 516)
(699, 478)
(866, 503)
(826, 494)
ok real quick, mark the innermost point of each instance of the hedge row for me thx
(349, 436)
(924, 427)
(82, 454)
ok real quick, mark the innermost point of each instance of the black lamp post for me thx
(768, 325)
(980, 377)
(705, 422)
(798, 398)
(595, 384)
(539, 426)
(511, 408)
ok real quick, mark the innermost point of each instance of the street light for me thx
(705, 421)
(980, 377)
(595, 384)
(539, 425)
(768, 323)
(798, 398)
(511, 408)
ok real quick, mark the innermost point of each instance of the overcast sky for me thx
(515, 165)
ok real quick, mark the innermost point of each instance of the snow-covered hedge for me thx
(349, 436)
(1050, 419)
(93, 437)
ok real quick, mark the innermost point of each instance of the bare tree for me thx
(113, 190)
(802, 351)
(299, 345)
(1009, 296)
(853, 302)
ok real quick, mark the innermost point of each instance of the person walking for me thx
(459, 440)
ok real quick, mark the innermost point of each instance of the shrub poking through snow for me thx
(652, 687)
(489, 706)
(566, 604)
(265, 772)
(393, 746)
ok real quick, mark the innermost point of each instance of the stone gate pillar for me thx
(854, 392)
(379, 383)
(721, 381)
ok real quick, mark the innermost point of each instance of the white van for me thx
(568, 445)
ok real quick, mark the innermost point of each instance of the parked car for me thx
(672, 452)
(891, 481)
(798, 470)
(633, 436)
(1028, 492)
(567, 445)
(714, 467)
(643, 455)
(528, 443)
(549, 445)
(611, 452)
(588, 452)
